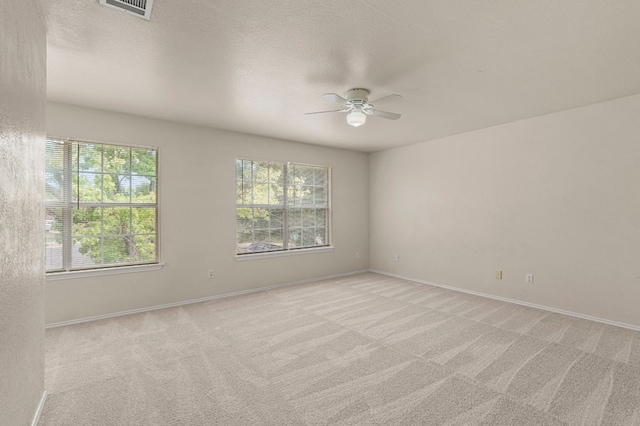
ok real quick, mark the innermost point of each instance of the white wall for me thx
(197, 215)
(22, 93)
(557, 196)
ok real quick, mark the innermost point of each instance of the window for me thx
(101, 205)
(281, 206)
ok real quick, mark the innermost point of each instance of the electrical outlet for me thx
(357, 255)
(528, 278)
(210, 273)
(498, 275)
(397, 258)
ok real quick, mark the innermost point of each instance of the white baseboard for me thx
(517, 302)
(202, 299)
(36, 416)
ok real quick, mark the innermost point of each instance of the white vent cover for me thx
(139, 8)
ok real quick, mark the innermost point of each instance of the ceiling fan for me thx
(358, 107)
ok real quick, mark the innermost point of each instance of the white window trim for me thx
(87, 273)
(281, 253)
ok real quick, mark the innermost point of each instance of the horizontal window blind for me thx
(101, 205)
(281, 206)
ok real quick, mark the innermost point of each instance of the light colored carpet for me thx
(360, 350)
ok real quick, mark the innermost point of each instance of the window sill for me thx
(55, 276)
(242, 257)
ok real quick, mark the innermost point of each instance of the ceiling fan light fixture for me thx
(356, 118)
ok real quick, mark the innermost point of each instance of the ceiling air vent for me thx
(139, 8)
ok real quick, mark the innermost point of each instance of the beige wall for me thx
(553, 196)
(197, 215)
(556, 196)
(22, 93)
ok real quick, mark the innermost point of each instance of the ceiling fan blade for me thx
(324, 112)
(385, 114)
(386, 99)
(336, 98)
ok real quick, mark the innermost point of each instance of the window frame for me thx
(286, 207)
(68, 204)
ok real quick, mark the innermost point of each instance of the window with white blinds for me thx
(281, 206)
(101, 205)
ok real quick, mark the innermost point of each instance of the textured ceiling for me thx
(258, 66)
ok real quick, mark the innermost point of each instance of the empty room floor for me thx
(365, 349)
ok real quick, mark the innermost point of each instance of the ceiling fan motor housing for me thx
(358, 95)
